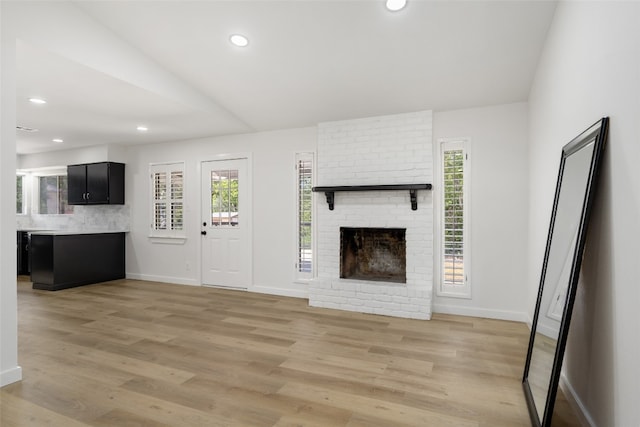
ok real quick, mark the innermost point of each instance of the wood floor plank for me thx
(220, 403)
(289, 407)
(106, 362)
(19, 412)
(122, 418)
(134, 353)
(376, 408)
(139, 333)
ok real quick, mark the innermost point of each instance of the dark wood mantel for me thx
(329, 192)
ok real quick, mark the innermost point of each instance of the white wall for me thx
(62, 158)
(273, 159)
(9, 369)
(499, 208)
(591, 68)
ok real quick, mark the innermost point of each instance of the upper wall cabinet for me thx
(96, 184)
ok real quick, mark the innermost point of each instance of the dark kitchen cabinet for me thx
(60, 260)
(96, 184)
(23, 252)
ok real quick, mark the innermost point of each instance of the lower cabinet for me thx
(60, 261)
(23, 252)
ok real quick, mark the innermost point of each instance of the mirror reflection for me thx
(573, 185)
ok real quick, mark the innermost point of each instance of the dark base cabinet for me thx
(60, 261)
(23, 252)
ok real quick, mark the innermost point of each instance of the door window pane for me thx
(224, 197)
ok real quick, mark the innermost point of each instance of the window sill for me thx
(168, 240)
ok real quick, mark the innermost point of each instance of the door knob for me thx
(204, 232)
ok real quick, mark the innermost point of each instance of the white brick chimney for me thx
(382, 150)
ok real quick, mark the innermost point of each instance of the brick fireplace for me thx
(383, 150)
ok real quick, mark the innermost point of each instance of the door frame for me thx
(221, 157)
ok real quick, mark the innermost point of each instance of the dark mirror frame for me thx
(596, 133)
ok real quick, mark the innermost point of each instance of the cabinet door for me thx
(98, 183)
(77, 184)
(23, 253)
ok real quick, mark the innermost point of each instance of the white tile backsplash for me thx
(83, 219)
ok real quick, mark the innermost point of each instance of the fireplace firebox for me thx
(377, 254)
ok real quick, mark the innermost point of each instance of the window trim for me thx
(304, 277)
(167, 236)
(443, 289)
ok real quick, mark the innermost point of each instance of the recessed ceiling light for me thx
(239, 40)
(37, 100)
(142, 128)
(58, 140)
(396, 5)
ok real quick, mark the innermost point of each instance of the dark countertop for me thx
(68, 232)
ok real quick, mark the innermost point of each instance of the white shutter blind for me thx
(167, 190)
(453, 230)
(160, 197)
(304, 183)
(454, 223)
(177, 189)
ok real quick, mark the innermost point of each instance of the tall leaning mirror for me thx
(579, 166)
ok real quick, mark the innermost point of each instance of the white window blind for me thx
(304, 211)
(167, 193)
(454, 208)
(177, 189)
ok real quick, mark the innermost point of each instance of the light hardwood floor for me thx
(132, 353)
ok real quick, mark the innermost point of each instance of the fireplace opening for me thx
(377, 254)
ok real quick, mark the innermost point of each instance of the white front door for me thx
(225, 224)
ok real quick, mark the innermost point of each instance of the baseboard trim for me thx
(163, 279)
(285, 292)
(576, 404)
(480, 312)
(10, 376)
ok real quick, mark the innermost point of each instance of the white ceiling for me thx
(307, 62)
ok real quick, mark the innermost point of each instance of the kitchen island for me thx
(62, 259)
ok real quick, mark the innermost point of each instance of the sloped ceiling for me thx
(106, 67)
